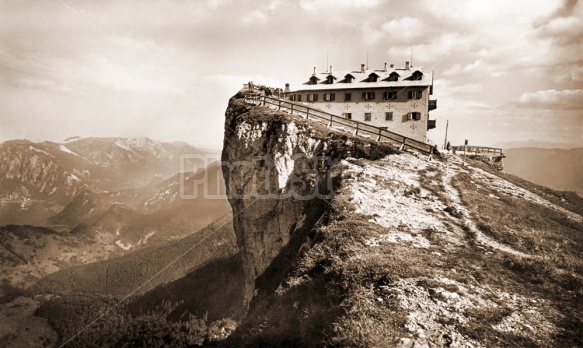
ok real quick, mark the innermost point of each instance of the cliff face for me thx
(277, 175)
(403, 252)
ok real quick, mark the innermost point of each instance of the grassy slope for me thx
(514, 280)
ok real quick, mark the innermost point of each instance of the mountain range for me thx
(39, 179)
(559, 169)
(91, 199)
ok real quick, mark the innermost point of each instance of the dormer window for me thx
(313, 80)
(330, 79)
(348, 78)
(393, 76)
(373, 77)
(417, 76)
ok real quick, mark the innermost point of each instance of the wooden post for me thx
(379, 137)
(279, 105)
(307, 113)
(403, 145)
(292, 109)
(356, 131)
(446, 127)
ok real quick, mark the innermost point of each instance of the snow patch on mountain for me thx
(72, 177)
(65, 149)
(32, 148)
(123, 246)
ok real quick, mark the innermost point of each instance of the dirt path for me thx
(453, 168)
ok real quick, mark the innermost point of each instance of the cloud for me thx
(403, 29)
(448, 87)
(314, 6)
(564, 30)
(553, 99)
(47, 85)
(256, 16)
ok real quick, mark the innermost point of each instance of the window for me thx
(367, 116)
(388, 116)
(330, 79)
(372, 77)
(347, 115)
(415, 94)
(348, 78)
(394, 76)
(389, 95)
(417, 75)
(312, 97)
(329, 96)
(313, 80)
(367, 95)
(414, 116)
(295, 97)
(347, 96)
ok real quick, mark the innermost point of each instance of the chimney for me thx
(362, 70)
(385, 66)
(406, 65)
(392, 66)
(286, 88)
(314, 74)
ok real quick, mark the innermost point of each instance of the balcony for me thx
(431, 124)
(432, 104)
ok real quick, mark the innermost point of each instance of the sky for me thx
(504, 70)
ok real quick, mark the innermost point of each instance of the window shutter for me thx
(364, 95)
(410, 94)
(332, 97)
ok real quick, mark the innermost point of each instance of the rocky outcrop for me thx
(277, 171)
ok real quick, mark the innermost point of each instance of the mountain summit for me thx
(346, 241)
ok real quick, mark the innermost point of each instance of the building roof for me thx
(362, 80)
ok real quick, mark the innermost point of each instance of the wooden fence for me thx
(478, 149)
(339, 123)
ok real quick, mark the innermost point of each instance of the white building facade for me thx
(398, 99)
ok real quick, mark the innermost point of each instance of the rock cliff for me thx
(277, 174)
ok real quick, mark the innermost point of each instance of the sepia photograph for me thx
(291, 173)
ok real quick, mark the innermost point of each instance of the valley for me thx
(106, 219)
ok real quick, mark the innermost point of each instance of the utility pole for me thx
(465, 144)
(445, 141)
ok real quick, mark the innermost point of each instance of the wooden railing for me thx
(340, 123)
(478, 149)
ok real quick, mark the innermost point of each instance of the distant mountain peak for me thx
(71, 139)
